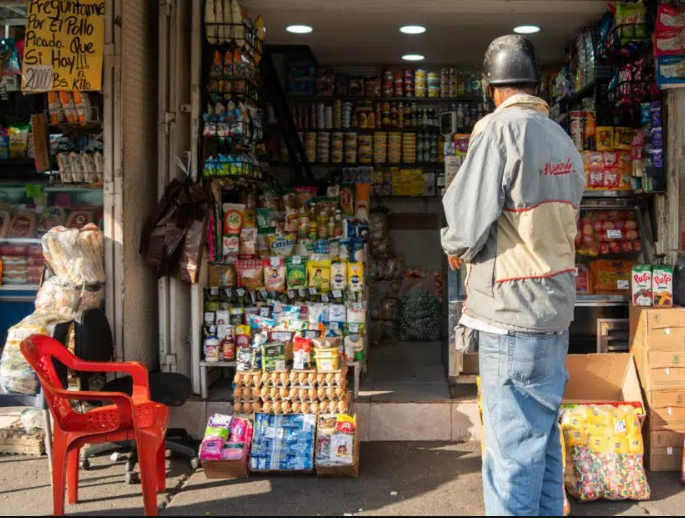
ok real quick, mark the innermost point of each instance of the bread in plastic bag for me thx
(604, 451)
(77, 256)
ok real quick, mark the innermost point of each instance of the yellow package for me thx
(599, 444)
(355, 276)
(636, 446)
(605, 138)
(319, 275)
(623, 138)
(620, 445)
(576, 418)
(600, 416)
(576, 438)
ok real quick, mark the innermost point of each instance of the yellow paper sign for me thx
(65, 42)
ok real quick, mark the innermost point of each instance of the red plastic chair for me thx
(129, 418)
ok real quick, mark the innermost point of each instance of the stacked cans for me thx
(323, 147)
(449, 84)
(388, 83)
(365, 149)
(394, 147)
(399, 83)
(420, 84)
(433, 85)
(337, 145)
(310, 146)
(347, 115)
(408, 82)
(380, 147)
(409, 148)
(350, 148)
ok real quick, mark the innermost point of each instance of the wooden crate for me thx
(15, 441)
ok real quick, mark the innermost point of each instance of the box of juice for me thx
(642, 285)
(662, 285)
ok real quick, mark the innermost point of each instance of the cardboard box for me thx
(664, 450)
(660, 370)
(602, 378)
(657, 329)
(666, 418)
(665, 439)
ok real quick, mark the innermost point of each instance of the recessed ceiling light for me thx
(413, 29)
(413, 57)
(527, 29)
(299, 29)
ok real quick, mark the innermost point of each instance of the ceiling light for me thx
(299, 29)
(413, 29)
(413, 57)
(527, 29)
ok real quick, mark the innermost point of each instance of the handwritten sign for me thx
(64, 45)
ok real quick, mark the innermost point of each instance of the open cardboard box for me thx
(602, 378)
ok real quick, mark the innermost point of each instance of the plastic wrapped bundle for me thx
(418, 311)
(77, 256)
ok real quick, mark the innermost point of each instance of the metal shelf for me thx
(19, 287)
(417, 100)
(602, 300)
(402, 165)
(19, 241)
(204, 363)
(609, 194)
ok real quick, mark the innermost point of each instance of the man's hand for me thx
(455, 262)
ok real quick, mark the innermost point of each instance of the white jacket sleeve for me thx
(474, 200)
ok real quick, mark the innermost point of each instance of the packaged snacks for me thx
(248, 243)
(335, 444)
(605, 138)
(283, 443)
(583, 280)
(296, 273)
(604, 452)
(18, 141)
(274, 274)
(233, 218)
(338, 276)
(347, 197)
(50, 218)
(222, 276)
(250, 274)
(631, 20)
(23, 225)
(78, 219)
(623, 138)
(282, 246)
(642, 285)
(662, 285)
(611, 277)
(302, 353)
(273, 357)
(319, 275)
(355, 276)
(362, 201)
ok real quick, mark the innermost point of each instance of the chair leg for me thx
(47, 429)
(161, 468)
(72, 476)
(147, 457)
(58, 471)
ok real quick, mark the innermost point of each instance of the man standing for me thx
(511, 214)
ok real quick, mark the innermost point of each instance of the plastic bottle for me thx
(460, 117)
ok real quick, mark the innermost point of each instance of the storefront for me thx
(360, 111)
(78, 155)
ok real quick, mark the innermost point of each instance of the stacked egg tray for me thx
(292, 392)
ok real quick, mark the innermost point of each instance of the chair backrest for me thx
(39, 352)
(93, 336)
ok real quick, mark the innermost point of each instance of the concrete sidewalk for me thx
(397, 479)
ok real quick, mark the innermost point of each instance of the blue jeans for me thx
(523, 378)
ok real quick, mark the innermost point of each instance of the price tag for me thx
(296, 259)
(623, 285)
(291, 294)
(312, 291)
(359, 305)
(614, 234)
(302, 292)
(354, 328)
(240, 292)
(337, 294)
(34, 190)
(324, 297)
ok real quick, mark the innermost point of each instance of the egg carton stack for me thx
(293, 392)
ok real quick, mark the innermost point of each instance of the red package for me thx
(670, 18)
(595, 179)
(611, 179)
(669, 43)
(250, 274)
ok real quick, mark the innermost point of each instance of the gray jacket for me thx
(511, 213)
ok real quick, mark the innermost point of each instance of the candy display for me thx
(606, 232)
(604, 451)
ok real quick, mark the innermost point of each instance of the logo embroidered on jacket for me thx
(552, 169)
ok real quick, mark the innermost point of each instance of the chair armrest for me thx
(141, 383)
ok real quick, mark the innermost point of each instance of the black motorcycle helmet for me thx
(511, 60)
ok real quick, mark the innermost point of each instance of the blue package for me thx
(669, 71)
(283, 443)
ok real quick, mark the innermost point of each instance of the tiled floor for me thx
(406, 372)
